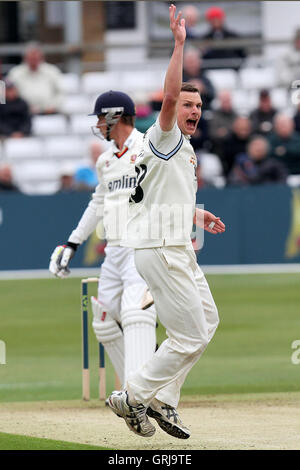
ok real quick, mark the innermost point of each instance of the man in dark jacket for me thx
(15, 119)
(232, 57)
(255, 166)
(235, 143)
(262, 117)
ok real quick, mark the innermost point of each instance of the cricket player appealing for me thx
(166, 190)
(121, 320)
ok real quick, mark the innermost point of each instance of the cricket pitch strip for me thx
(254, 421)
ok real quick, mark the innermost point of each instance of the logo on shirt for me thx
(125, 182)
(133, 158)
(193, 160)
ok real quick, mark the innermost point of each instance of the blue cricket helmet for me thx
(116, 100)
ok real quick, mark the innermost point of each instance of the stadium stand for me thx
(70, 83)
(37, 177)
(76, 104)
(142, 80)
(257, 78)
(223, 79)
(80, 124)
(97, 82)
(63, 138)
(65, 148)
(49, 125)
(18, 150)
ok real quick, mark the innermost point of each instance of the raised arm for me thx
(173, 80)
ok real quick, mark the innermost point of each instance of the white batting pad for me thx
(139, 330)
(108, 333)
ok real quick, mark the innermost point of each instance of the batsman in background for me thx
(166, 190)
(121, 322)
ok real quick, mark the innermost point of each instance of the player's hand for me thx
(209, 221)
(60, 259)
(177, 25)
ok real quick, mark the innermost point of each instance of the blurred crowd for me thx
(232, 148)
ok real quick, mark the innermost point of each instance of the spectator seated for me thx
(255, 166)
(15, 119)
(285, 143)
(38, 82)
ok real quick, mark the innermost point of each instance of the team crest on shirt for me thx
(133, 158)
(193, 160)
(107, 163)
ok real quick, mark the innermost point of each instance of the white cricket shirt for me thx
(117, 178)
(162, 205)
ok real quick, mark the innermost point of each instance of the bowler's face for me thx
(188, 112)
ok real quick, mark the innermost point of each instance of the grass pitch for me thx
(251, 350)
(16, 442)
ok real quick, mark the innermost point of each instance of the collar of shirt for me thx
(127, 144)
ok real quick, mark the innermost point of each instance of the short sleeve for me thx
(164, 144)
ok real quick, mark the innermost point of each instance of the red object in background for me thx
(215, 12)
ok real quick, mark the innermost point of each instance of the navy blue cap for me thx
(114, 99)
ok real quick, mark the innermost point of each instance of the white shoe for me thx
(168, 419)
(134, 416)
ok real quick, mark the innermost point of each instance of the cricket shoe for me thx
(134, 416)
(168, 419)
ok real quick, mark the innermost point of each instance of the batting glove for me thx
(60, 259)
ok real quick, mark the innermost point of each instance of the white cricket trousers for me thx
(185, 307)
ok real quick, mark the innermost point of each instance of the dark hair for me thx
(189, 87)
(128, 120)
(264, 93)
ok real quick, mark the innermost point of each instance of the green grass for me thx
(251, 350)
(16, 442)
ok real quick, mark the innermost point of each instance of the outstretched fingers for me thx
(173, 20)
(178, 18)
(172, 10)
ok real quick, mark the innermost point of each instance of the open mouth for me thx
(191, 124)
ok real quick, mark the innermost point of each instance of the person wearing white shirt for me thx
(161, 215)
(124, 317)
(38, 82)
